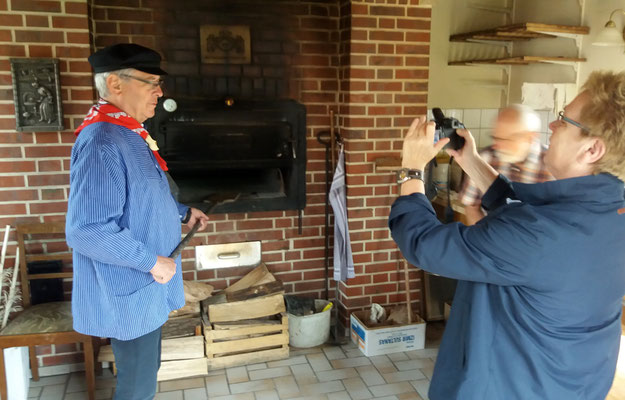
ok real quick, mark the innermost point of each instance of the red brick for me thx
(17, 166)
(386, 23)
(48, 151)
(115, 14)
(11, 20)
(77, 38)
(52, 194)
(385, 86)
(84, 81)
(11, 181)
(412, 49)
(37, 20)
(411, 98)
(384, 48)
(12, 209)
(417, 61)
(48, 208)
(105, 27)
(418, 37)
(39, 36)
(70, 22)
(363, 22)
(70, 358)
(12, 51)
(48, 180)
(387, 35)
(420, 12)
(39, 51)
(76, 8)
(36, 5)
(73, 52)
(386, 10)
(3, 5)
(363, 48)
(50, 166)
(43, 350)
(65, 348)
(18, 195)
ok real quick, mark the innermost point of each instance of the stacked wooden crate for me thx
(182, 350)
(246, 323)
(182, 342)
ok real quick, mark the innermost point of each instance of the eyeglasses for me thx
(561, 117)
(154, 84)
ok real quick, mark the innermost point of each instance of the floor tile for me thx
(49, 380)
(271, 373)
(286, 387)
(422, 386)
(253, 367)
(34, 391)
(266, 395)
(357, 389)
(414, 364)
(336, 374)
(350, 362)
(237, 375)
(175, 395)
(344, 395)
(252, 386)
(195, 394)
(423, 353)
(409, 396)
(304, 374)
(289, 361)
(319, 362)
(77, 382)
(217, 385)
(401, 356)
(240, 396)
(370, 374)
(408, 375)
(391, 389)
(321, 388)
(181, 384)
(52, 392)
(383, 364)
(333, 353)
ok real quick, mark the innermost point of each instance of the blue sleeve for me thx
(500, 249)
(182, 210)
(96, 204)
(498, 193)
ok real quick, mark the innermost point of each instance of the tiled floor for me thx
(327, 372)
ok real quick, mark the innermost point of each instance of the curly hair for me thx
(604, 115)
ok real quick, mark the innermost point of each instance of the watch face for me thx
(402, 174)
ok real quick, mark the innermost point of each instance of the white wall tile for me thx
(488, 117)
(471, 117)
(486, 138)
(544, 120)
(455, 113)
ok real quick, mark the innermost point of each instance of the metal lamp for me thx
(610, 35)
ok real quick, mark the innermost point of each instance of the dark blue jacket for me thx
(536, 314)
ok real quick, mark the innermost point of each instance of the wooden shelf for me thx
(521, 60)
(526, 31)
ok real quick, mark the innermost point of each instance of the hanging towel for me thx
(343, 260)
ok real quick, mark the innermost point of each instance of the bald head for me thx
(515, 129)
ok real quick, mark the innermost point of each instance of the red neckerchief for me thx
(104, 111)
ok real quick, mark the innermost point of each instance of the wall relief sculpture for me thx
(225, 44)
(37, 94)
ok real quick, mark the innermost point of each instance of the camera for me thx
(446, 127)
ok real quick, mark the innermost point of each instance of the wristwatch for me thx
(406, 174)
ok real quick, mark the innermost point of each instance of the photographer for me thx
(536, 314)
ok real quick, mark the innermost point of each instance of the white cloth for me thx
(343, 260)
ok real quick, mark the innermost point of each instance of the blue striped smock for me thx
(120, 216)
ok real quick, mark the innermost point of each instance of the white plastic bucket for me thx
(310, 330)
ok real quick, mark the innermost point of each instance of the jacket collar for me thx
(601, 188)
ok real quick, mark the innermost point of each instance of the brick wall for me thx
(384, 75)
(34, 166)
(365, 60)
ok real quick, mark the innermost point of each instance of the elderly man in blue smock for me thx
(122, 220)
(541, 278)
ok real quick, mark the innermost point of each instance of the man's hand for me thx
(468, 153)
(419, 147)
(197, 215)
(163, 270)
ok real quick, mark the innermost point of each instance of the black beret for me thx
(126, 55)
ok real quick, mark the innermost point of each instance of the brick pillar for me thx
(383, 82)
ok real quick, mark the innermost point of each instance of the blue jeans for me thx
(137, 361)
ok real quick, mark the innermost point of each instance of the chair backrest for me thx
(47, 234)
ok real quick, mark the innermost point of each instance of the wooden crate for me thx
(246, 342)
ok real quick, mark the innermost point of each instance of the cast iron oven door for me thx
(257, 149)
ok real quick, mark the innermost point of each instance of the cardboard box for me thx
(386, 339)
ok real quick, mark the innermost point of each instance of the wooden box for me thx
(245, 342)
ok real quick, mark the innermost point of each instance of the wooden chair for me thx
(47, 323)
